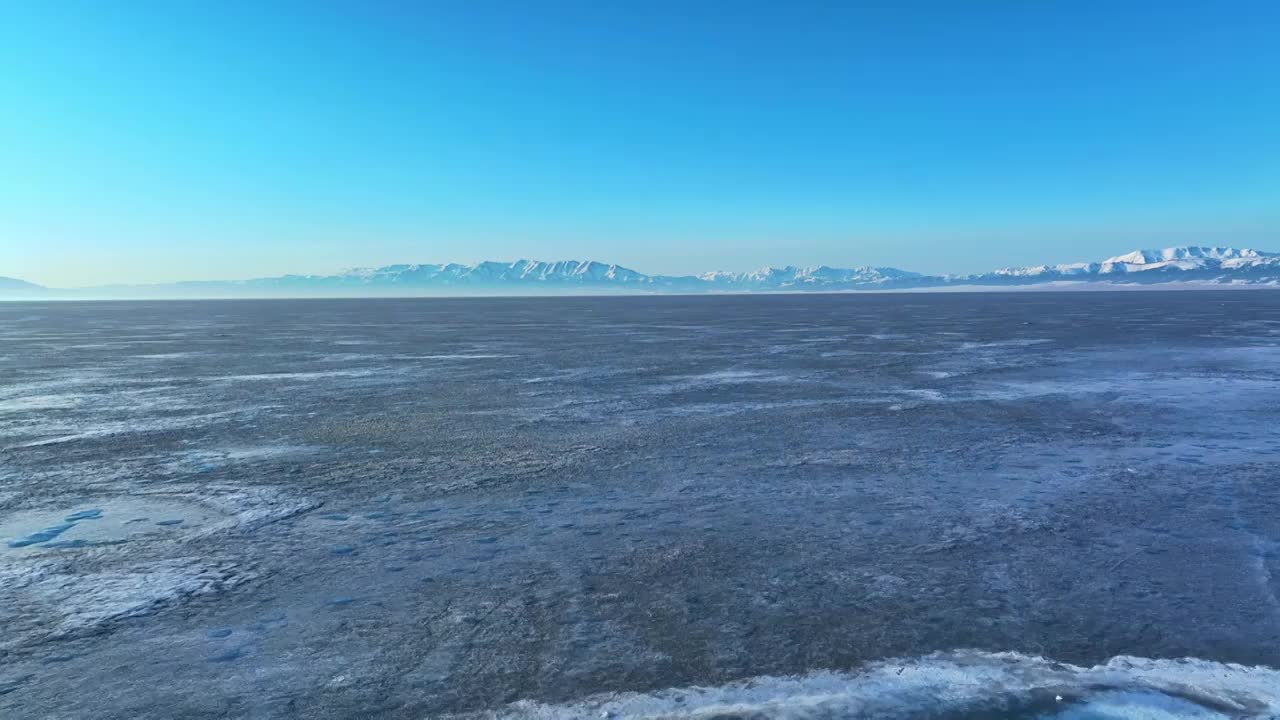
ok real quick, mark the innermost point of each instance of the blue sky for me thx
(150, 141)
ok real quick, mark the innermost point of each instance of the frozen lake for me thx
(515, 507)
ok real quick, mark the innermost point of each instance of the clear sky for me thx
(151, 141)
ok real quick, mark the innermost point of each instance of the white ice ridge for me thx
(1124, 687)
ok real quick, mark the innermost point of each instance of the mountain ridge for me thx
(14, 284)
(1201, 265)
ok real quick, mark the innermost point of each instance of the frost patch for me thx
(293, 376)
(738, 376)
(47, 604)
(61, 401)
(250, 508)
(92, 431)
(216, 458)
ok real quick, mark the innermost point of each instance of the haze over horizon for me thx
(152, 143)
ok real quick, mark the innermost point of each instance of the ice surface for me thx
(490, 509)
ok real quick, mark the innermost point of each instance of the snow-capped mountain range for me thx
(1177, 263)
(1205, 266)
(484, 273)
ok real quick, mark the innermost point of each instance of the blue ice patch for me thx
(41, 536)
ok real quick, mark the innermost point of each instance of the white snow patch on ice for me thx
(59, 401)
(1146, 387)
(52, 384)
(938, 374)
(1125, 687)
(730, 377)
(293, 376)
(925, 394)
(1023, 342)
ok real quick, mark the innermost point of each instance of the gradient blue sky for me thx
(151, 141)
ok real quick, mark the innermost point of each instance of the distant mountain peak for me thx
(1181, 253)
